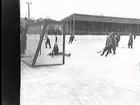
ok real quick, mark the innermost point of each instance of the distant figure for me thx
(130, 41)
(55, 38)
(134, 36)
(71, 38)
(118, 39)
(47, 42)
(108, 45)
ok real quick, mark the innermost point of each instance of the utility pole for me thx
(28, 3)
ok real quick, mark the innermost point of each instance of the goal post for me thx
(63, 33)
(40, 43)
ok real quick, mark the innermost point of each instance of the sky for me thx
(59, 9)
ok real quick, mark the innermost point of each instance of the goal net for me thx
(40, 46)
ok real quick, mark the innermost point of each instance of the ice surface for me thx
(87, 78)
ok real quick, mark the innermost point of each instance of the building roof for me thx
(98, 18)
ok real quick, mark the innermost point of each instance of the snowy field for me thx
(86, 78)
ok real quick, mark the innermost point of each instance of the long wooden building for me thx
(81, 24)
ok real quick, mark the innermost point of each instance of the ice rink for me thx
(86, 78)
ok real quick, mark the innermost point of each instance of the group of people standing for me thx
(112, 42)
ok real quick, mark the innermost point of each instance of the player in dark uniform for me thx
(47, 42)
(55, 38)
(71, 38)
(56, 52)
(134, 36)
(108, 46)
(130, 41)
(114, 43)
(118, 39)
(23, 39)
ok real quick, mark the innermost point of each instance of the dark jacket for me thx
(114, 42)
(118, 37)
(55, 39)
(130, 38)
(48, 40)
(55, 49)
(108, 42)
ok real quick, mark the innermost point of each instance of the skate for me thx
(101, 54)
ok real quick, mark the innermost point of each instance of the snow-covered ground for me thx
(86, 78)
